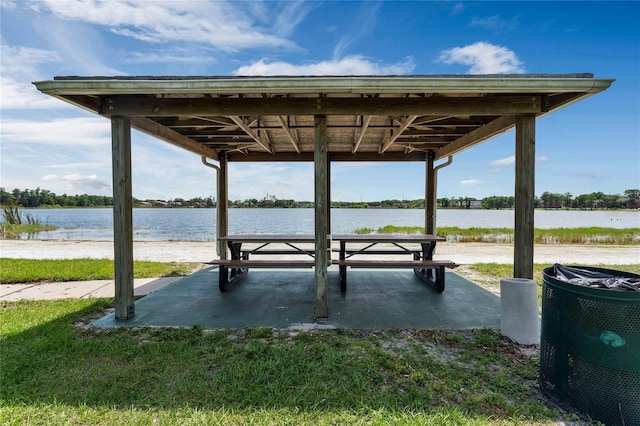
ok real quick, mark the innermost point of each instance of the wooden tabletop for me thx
(310, 238)
(387, 238)
(270, 238)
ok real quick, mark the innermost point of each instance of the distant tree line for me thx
(32, 198)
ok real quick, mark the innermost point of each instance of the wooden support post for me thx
(321, 218)
(328, 195)
(524, 196)
(430, 196)
(122, 217)
(222, 205)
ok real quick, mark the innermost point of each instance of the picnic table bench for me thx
(420, 248)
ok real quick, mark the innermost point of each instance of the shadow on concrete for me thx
(375, 299)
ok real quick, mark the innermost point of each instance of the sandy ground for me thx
(180, 251)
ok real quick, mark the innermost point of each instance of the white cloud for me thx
(495, 23)
(512, 160)
(164, 56)
(350, 65)
(366, 19)
(18, 67)
(7, 4)
(92, 131)
(504, 161)
(483, 58)
(77, 183)
(458, 8)
(471, 182)
(227, 26)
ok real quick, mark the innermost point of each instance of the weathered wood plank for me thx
(396, 263)
(481, 134)
(157, 130)
(335, 156)
(271, 263)
(396, 133)
(222, 206)
(524, 196)
(250, 132)
(122, 217)
(366, 120)
(291, 134)
(430, 196)
(159, 107)
(321, 217)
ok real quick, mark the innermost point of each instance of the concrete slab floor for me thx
(375, 299)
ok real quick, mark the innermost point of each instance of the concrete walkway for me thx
(78, 289)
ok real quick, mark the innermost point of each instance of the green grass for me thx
(593, 235)
(56, 373)
(38, 270)
(489, 274)
(14, 231)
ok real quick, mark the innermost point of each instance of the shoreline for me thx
(201, 252)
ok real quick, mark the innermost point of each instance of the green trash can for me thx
(590, 347)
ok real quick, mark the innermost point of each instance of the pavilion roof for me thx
(373, 118)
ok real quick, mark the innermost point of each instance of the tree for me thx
(633, 197)
(6, 198)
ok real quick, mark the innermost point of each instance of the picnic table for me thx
(279, 249)
(234, 269)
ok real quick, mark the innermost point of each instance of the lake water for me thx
(200, 224)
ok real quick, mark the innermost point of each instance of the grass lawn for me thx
(39, 270)
(57, 371)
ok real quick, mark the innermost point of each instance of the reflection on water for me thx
(200, 224)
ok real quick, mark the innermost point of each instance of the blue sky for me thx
(590, 146)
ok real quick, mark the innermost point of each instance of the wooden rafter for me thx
(360, 133)
(240, 123)
(396, 134)
(264, 136)
(291, 134)
(152, 128)
(497, 126)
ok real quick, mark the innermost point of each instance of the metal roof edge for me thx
(539, 83)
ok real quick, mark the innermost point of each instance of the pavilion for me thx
(321, 119)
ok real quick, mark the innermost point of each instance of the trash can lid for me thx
(595, 278)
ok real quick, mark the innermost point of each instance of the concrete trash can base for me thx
(519, 319)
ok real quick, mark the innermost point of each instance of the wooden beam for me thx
(211, 122)
(430, 196)
(494, 128)
(321, 219)
(396, 133)
(335, 156)
(524, 196)
(360, 133)
(250, 132)
(291, 134)
(154, 129)
(159, 107)
(222, 206)
(122, 217)
(420, 132)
